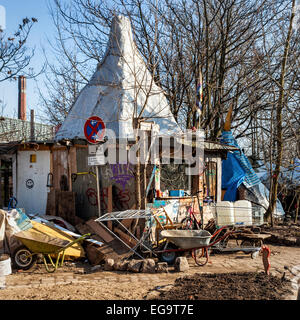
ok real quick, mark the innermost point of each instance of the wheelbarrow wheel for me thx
(169, 257)
(200, 256)
(23, 258)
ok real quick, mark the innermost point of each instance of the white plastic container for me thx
(224, 213)
(258, 215)
(5, 265)
(243, 212)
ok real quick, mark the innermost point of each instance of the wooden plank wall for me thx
(63, 163)
(62, 203)
(60, 165)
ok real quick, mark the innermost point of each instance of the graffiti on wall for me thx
(122, 198)
(91, 194)
(121, 174)
(120, 177)
(29, 183)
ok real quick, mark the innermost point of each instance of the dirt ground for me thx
(81, 282)
(228, 286)
(284, 229)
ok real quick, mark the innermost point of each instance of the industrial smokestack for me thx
(22, 98)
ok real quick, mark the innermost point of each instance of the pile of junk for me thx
(25, 240)
(118, 236)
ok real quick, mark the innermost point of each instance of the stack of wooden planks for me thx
(111, 248)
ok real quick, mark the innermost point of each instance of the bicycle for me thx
(190, 222)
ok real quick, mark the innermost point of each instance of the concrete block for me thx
(181, 264)
(109, 264)
(134, 265)
(121, 265)
(148, 266)
(162, 267)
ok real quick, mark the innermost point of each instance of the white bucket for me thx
(5, 265)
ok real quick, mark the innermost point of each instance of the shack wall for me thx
(117, 186)
(117, 181)
(84, 185)
(31, 180)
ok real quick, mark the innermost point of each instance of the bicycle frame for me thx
(192, 215)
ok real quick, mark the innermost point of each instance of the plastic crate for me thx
(176, 193)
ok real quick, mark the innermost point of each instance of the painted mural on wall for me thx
(121, 177)
(121, 174)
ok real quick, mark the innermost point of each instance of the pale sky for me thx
(16, 10)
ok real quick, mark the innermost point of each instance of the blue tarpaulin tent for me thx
(236, 169)
(232, 176)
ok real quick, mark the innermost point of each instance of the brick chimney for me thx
(22, 98)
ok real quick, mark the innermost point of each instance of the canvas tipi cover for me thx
(119, 89)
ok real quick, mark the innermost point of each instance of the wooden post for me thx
(32, 137)
(138, 168)
(297, 208)
(190, 180)
(109, 206)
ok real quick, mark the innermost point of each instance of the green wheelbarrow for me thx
(25, 257)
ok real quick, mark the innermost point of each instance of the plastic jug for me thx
(5, 265)
(224, 213)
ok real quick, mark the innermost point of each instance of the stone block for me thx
(134, 265)
(162, 267)
(109, 264)
(181, 264)
(148, 266)
(121, 265)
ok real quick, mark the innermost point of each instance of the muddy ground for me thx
(228, 286)
(80, 282)
(284, 229)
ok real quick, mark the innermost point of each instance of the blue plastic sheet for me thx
(251, 178)
(232, 176)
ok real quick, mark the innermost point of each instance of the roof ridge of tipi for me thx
(115, 45)
(122, 50)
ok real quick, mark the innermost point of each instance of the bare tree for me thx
(236, 44)
(14, 55)
(59, 91)
(279, 112)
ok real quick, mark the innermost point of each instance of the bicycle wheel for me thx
(187, 223)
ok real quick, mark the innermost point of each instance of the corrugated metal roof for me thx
(16, 130)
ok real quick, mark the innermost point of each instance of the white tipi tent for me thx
(119, 89)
